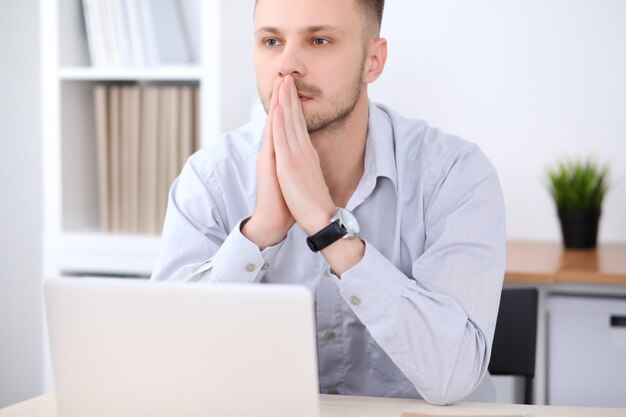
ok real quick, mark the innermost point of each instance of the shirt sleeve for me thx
(197, 246)
(437, 326)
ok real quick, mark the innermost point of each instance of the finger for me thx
(275, 93)
(285, 105)
(268, 142)
(297, 114)
(270, 139)
(278, 133)
(273, 104)
(268, 145)
(274, 100)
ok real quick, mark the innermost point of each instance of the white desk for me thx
(346, 406)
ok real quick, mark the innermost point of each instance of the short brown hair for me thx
(373, 10)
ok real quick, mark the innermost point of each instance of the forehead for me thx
(288, 15)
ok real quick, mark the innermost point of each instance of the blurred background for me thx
(530, 82)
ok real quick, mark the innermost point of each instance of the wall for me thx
(528, 81)
(239, 92)
(20, 207)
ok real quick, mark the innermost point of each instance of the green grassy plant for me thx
(578, 185)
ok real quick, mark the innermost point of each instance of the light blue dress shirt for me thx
(416, 317)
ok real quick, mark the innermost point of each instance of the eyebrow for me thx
(308, 29)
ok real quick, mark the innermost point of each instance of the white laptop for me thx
(129, 347)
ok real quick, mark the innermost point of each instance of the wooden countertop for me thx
(549, 263)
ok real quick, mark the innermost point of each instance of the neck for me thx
(341, 150)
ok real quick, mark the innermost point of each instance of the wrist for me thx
(344, 254)
(261, 234)
(318, 221)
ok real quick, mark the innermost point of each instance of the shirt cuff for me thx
(372, 286)
(240, 260)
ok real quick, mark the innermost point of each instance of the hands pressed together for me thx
(290, 183)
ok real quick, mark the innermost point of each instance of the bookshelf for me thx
(73, 243)
(174, 74)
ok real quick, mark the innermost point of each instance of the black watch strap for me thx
(325, 237)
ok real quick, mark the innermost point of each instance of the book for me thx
(147, 25)
(125, 160)
(102, 139)
(162, 155)
(148, 168)
(142, 33)
(185, 126)
(114, 158)
(133, 146)
(136, 33)
(144, 136)
(197, 118)
(107, 26)
(94, 34)
(121, 33)
(173, 139)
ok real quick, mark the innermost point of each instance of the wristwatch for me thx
(342, 225)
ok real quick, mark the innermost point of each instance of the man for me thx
(407, 308)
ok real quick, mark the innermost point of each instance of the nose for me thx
(291, 63)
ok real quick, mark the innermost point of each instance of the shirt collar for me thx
(380, 160)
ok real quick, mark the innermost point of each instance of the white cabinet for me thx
(587, 351)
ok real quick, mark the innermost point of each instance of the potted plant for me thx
(578, 188)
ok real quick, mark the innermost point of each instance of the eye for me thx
(271, 42)
(320, 41)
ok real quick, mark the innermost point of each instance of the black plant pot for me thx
(580, 228)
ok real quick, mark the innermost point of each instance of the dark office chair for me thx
(515, 340)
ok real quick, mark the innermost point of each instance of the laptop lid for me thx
(128, 347)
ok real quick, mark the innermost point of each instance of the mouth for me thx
(304, 98)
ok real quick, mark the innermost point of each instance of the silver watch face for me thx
(348, 221)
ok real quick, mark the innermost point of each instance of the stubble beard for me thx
(343, 104)
(339, 109)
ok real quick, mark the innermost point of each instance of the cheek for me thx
(264, 75)
(324, 73)
(331, 78)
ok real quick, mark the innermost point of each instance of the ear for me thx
(375, 61)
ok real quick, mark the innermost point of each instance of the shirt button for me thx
(330, 335)
(265, 266)
(333, 391)
(355, 301)
(250, 267)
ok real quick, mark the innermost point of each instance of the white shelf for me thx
(188, 73)
(71, 209)
(103, 253)
(72, 244)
